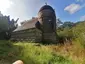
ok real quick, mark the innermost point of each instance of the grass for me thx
(76, 49)
(30, 53)
(36, 53)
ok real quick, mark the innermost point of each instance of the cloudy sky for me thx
(66, 10)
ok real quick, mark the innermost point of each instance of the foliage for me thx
(74, 32)
(79, 33)
(7, 26)
(40, 55)
(66, 24)
(30, 53)
(66, 32)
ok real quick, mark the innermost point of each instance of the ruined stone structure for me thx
(47, 19)
(42, 28)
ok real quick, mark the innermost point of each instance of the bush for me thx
(76, 33)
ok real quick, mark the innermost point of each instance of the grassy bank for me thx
(34, 53)
(31, 53)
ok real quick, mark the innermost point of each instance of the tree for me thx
(7, 26)
(58, 23)
(68, 24)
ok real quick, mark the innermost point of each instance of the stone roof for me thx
(46, 7)
(31, 23)
(27, 25)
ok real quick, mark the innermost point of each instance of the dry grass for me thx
(32, 53)
(71, 51)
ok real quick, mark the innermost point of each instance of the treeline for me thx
(70, 31)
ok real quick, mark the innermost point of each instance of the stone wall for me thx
(32, 35)
(49, 37)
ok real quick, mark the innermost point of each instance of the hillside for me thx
(73, 32)
(31, 53)
(72, 51)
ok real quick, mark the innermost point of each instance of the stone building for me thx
(42, 28)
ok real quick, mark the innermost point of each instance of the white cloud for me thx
(72, 8)
(82, 18)
(4, 5)
(79, 0)
(23, 9)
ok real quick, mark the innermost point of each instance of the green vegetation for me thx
(73, 36)
(71, 52)
(79, 34)
(74, 32)
(7, 26)
(30, 53)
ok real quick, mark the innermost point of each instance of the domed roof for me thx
(46, 7)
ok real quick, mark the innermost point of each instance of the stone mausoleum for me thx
(38, 29)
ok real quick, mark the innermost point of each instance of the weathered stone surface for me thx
(49, 37)
(32, 35)
(47, 19)
(41, 29)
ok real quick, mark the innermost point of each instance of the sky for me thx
(66, 10)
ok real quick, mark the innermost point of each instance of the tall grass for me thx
(30, 53)
(76, 50)
(40, 55)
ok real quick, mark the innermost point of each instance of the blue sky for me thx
(66, 10)
(63, 14)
